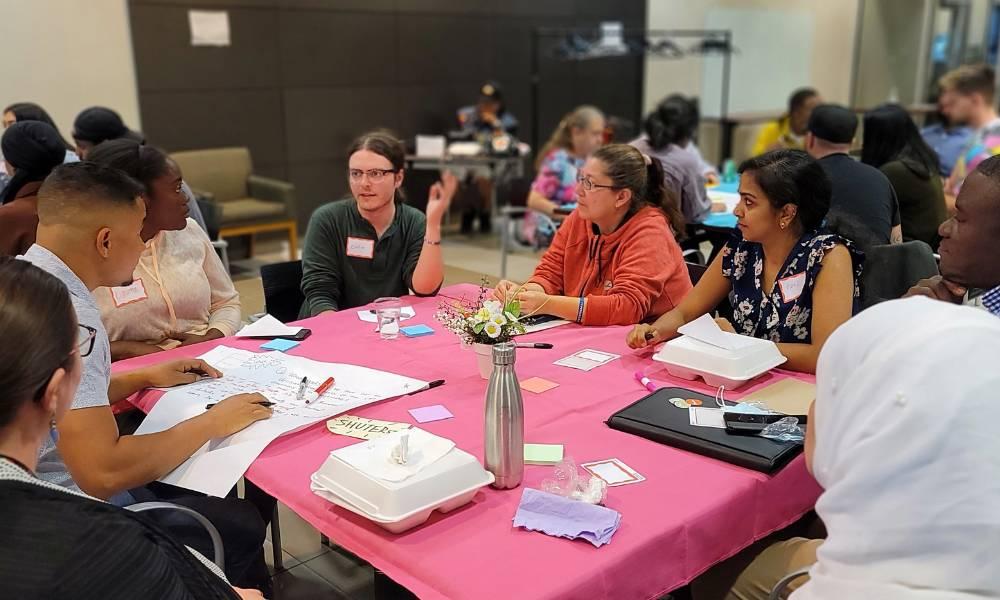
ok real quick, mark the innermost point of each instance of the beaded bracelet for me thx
(579, 311)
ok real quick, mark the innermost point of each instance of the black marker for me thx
(265, 403)
(536, 345)
(430, 386)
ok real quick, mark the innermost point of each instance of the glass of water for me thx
(387, 315)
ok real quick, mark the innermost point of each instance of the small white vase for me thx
(484, 359)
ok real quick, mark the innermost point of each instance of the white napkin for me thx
(374, 457)
(267, 326)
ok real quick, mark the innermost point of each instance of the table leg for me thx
(276, 540)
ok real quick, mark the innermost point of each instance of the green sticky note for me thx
(543, 454)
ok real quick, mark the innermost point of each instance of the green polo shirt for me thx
(345, 264)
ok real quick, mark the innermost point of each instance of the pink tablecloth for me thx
(690, 513)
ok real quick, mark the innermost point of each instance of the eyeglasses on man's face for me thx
(374, 175)
(85, 340)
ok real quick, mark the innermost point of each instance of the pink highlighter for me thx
(645, 381)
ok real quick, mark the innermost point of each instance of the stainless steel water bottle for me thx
(504, 421)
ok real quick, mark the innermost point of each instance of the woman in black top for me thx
(893, 145)
(58, 543)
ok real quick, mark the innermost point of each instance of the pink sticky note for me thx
(538, 385)
(431, 413)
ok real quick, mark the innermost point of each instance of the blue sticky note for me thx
(416, 330)
(280, 345)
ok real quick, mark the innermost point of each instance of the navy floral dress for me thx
(784, 315)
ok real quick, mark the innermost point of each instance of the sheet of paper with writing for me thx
(217, 466)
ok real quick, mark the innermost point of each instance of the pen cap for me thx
(503, 354)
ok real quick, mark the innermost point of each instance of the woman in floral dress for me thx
(788, 280)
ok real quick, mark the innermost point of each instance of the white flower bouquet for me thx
(483, 321)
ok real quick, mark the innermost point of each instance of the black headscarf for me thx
(99, 124)
(29, 111)
(33, 148)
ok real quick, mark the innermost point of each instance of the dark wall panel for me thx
(302, 78)
(214, 118)
(166, 60)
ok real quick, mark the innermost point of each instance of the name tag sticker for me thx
(791, 287)
(129, 294)
(360, 248)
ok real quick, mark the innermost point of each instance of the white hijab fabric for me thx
(907, 422)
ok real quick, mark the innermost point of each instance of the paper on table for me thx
(561, 517)
(585, 360)
(789, 396)
(374, 456)
(427, 414)
(613, 471)
(705, 329)
(267, 326)
(706, 417)
(368, 316)
(281, 345)
(362, 428)
(543, 454)
(538, 385)
(216, 467)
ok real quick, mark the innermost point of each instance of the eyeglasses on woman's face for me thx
(374, 175)
(588, 184)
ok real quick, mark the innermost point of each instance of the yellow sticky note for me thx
(538, 385)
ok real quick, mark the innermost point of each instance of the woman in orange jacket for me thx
(615, 259)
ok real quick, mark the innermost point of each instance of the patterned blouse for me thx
(784, 315)
(556, 180)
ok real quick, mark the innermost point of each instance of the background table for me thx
(690, 513)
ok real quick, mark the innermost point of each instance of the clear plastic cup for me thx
(387, 316)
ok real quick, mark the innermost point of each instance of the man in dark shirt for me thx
(862, 195)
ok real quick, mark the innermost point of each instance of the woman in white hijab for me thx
(904, 441)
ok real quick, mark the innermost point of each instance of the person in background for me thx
(89, 222)
(967, 98)
(669, 129)
(893, 145)
(29, 111)
(59, 542)
(482, 122)
(614, 260)
(372, 245)
(969, 269)
(98, 124)
(708, 170)
(860, 191)
(874, 389)
(946, 139)
(31, 150)
(180, 293)
(789, 131)
(578, 135)
(787, 280)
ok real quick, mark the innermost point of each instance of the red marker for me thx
(323, 387)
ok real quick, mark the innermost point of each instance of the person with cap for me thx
(790, 129)
(902, 439)
(483, 121)
(969, 270)
(861, 192)
(98, 124)
(31, 150)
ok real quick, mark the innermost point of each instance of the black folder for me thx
(655, 418)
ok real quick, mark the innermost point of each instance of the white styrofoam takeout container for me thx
(689, 358)
(448, 483)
